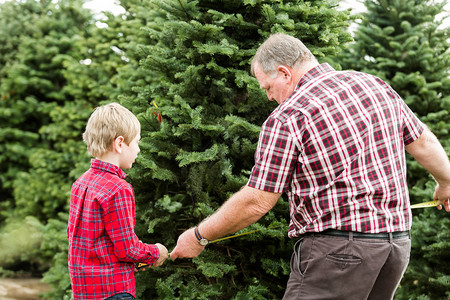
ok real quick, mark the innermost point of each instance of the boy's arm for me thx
(119, 224)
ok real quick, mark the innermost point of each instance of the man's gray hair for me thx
(280, 49)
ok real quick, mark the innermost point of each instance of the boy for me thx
(102, 244)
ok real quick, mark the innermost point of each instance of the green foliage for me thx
(39, 139)
(15, 22)
(21, 240)
(55, 243)
(32, 87)
(402, 42)
(427, 276)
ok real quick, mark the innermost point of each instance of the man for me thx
(336, 145)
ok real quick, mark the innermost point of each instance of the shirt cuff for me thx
(153, 254)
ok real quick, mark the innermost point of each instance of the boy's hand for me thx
(163, 254)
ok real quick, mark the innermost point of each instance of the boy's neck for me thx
(110, 157)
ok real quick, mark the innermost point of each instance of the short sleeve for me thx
(275, 158)
(412, 127)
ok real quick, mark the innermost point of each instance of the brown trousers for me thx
(334, 267)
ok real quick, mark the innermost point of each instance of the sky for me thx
(111, 5)
(97, 6)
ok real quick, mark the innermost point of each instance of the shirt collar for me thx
(309, 76)
(107, 167)
(313, 73)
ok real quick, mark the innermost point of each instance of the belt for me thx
(362, 235)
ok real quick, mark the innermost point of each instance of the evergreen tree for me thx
(38, 115)
(403, 42)
(33, 87)
(201, 113)
(16, 21)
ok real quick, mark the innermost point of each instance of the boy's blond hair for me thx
(105, 124)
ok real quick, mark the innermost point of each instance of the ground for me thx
(21, 289)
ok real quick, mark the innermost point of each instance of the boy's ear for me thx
(118, 144)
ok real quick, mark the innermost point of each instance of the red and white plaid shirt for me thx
(102, 244)
(336, 146)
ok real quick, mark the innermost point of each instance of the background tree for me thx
(37, 40)
(33, 86)
(15, 24)
(404, 43)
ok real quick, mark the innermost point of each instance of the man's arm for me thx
(429, 153)
(242, 209)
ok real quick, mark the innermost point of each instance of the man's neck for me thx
(304, 68)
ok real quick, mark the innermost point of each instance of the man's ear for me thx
(118, 144)
(285, 72)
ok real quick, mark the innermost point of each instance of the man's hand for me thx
(187, 246)
(442, 194)
(163, 254)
